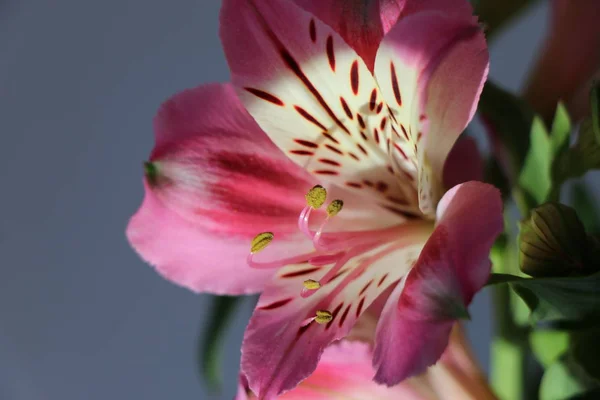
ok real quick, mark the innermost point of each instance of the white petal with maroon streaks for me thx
(316, 99)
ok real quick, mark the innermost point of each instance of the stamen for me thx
(261, 241)
(334, 208)
(302, 258)
(323, 316)
(311, 284)
(303, 221)
(316, 196)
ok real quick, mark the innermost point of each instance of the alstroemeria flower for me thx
(384, 136)
(345, 372)
(378, 141)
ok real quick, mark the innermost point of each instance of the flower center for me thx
(337, 249)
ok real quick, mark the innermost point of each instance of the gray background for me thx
(81, 317)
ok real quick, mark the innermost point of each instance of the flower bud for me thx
(553, 242)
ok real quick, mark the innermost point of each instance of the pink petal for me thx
(344, 371)
(192, 256)
(218, 182)
(464, 163)
(431, 68)
(360, 23)
(280, 348)
(417, 320)
(316, 99)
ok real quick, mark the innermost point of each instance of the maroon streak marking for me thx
(330, 162)
(276, 304)
(313, 30)
(295, 274)
(354, 77)
(395, 84)
(264, 96)
(306, 143)
(330, 52)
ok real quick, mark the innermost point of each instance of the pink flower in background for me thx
(569, 59)
(375, 128)
(345, 371)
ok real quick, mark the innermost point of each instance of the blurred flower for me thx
(378, 141)
(345, 371)
(569, 59)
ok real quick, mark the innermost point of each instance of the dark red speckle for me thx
(360, 306)
(302, 152)
(312, 28)
(264, 96)
(361, 121)
(326, 172)
(276, 304)
(346, 108)
(330, 52)
(344, 315)
(334, 149)
(330, 162)
(306, 143)
(395, 84)
(354, 77)
(373, 100)
(309, 117)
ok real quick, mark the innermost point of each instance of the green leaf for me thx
(546, 164)
(548, 345)
(210, 348)
(561, 128)
(535, 178)
(572, 299)
(585, 205)
(595, 107)
(585, 351)
(565, 380)
(585, 155)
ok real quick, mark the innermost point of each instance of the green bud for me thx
(553, 242)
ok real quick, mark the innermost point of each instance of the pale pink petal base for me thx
(191, 256)
(416, 322)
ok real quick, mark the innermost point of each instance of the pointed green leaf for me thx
(574, 299)
(548, 345)
(561, 128)
(565, 380)
(210, 347)
(535, 178)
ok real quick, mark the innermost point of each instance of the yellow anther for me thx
(335, 207)
(261, 241)
(323, 316)
(311, 284)
(316, 196)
